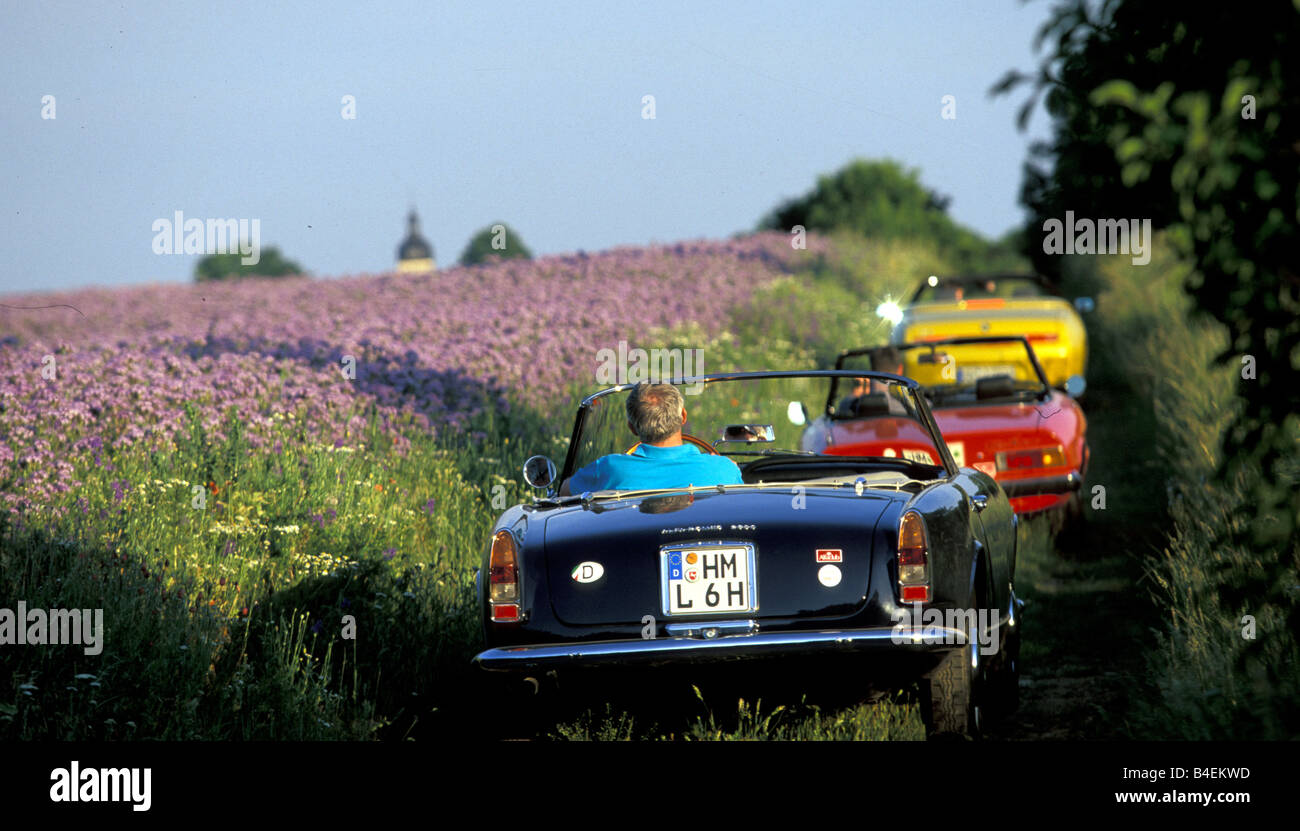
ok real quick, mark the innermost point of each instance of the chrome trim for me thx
(725, 647)
(702, 628)
(1066, 483)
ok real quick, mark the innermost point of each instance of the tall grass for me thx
(1215, 680)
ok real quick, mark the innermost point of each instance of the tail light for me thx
(503, 585)
(913, 559)
(1035, 457)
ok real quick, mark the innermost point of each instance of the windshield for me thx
(963, 371)
(952, 289)
(780, 427)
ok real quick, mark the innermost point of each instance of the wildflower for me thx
(317, 627)
(390, 553)
(430, 505)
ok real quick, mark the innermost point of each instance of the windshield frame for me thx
(923, 408)
(1045, 388)
(1048, 288)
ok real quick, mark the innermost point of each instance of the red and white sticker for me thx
(830, 555)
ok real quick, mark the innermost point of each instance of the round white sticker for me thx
(829, 575)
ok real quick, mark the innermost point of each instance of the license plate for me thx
(968, 374)
(707, 579)
(958, 451)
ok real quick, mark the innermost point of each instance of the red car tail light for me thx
(503, 586)
(1032, 458)
(913, 559)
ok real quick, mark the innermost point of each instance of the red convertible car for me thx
(994, 406)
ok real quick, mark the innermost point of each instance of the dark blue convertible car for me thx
(882, 552)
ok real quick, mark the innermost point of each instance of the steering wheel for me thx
(703, 445)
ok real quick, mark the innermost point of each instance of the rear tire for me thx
(1004, 686)
(1071, 524)
(948, 698)
(953, 695)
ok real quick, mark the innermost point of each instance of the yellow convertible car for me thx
(1013, 304)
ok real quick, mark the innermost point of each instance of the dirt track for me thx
(1087, 625)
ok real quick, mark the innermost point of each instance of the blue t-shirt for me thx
(652, 467)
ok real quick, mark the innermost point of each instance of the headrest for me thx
(871, 404)
(998, 386)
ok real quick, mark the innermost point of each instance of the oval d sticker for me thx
(588, 572)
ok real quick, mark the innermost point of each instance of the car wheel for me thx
(1004, 686)
(1072, 518)
(952, 696)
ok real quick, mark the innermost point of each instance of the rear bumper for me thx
(684, 650)
(1061, 484)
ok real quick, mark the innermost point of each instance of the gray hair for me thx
(654, 411)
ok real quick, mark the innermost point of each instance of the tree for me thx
(497, 240)
(228, 266)
(882, 200)
(1190, 114)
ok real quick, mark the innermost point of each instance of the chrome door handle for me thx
(981, 501)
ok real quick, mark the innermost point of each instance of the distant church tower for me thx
(415, 254)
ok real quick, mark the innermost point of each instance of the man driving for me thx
(883, 359)
(655, 415)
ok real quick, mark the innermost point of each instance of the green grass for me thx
(1170, 403)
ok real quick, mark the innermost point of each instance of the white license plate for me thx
(958, 451)
(704, 579)
(968, 374)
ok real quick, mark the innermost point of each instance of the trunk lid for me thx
(785, 526)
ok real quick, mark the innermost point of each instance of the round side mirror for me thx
(1084, 304)
(539, 472)
(1075, 385)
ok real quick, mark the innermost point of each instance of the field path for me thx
(1087, 625)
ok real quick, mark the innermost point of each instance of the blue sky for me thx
(473, 112)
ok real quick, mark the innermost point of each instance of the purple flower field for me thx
(430, 352)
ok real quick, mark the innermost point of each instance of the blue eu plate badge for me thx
(675, 565)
